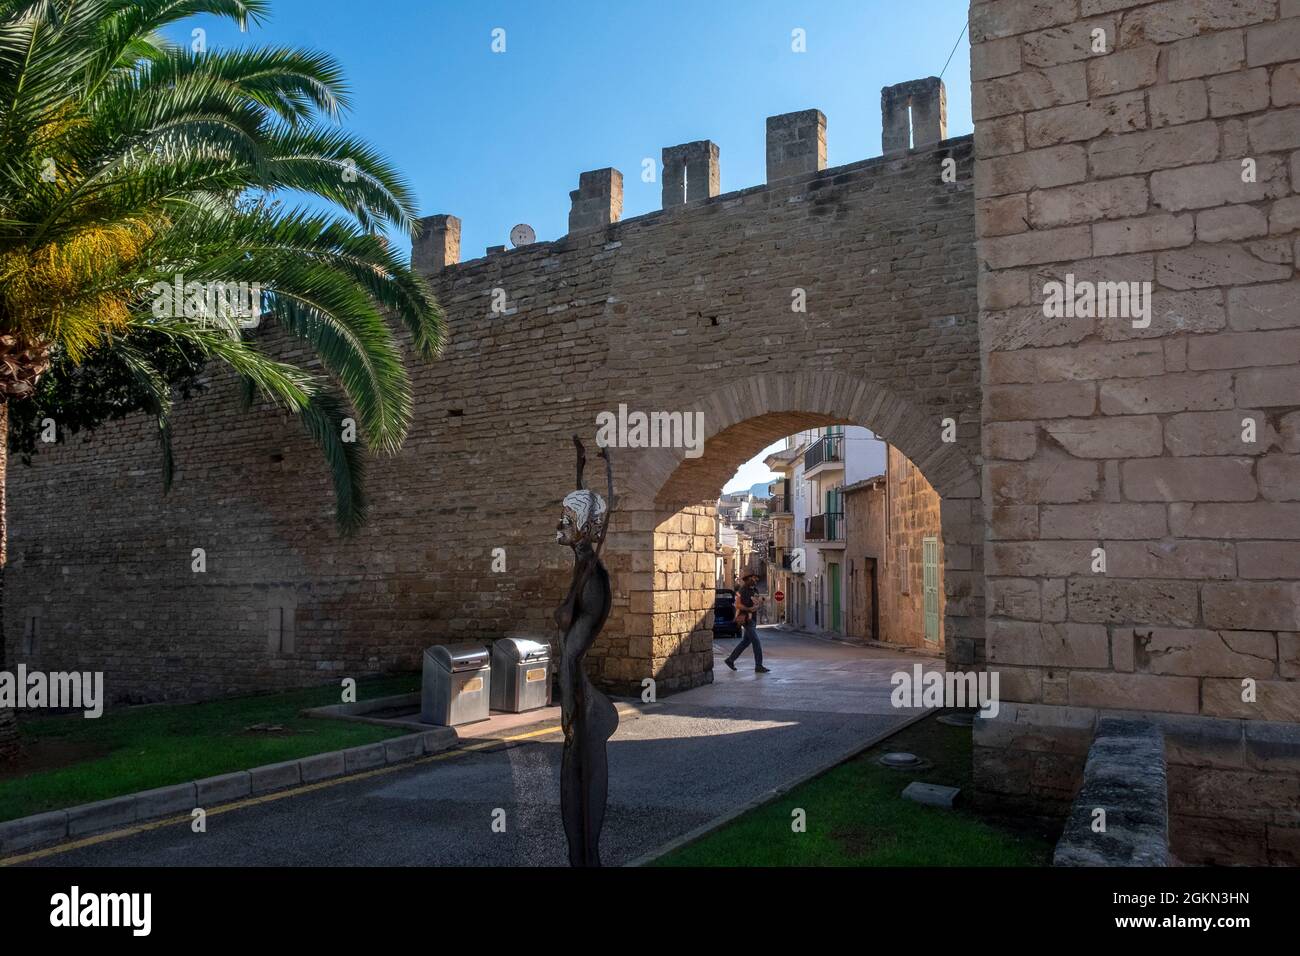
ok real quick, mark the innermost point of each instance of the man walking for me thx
(748, 601)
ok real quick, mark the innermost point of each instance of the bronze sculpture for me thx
(588, 716)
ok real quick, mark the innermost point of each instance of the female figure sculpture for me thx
(588, 716)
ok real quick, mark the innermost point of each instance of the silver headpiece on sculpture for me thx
(588, 510)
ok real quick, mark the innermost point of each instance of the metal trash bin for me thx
(521, 674)
(456, 686)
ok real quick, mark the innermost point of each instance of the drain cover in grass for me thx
(900, 759)
(958, 719)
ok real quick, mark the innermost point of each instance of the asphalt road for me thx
(674, 766)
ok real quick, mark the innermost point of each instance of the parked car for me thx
(724, 613)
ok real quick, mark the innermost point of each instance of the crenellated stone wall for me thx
(647, 312)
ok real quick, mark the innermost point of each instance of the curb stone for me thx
(101, 815)
(275, 776)
(56, 826)
(322, 766)
(32, 831)
(223, 789)
(356, 759)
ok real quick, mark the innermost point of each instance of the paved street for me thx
(674, 766)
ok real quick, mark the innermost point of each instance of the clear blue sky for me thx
(500, 138)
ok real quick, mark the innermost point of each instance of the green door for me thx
(833, 572)
(930, 577)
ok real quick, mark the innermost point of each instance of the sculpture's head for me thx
(583, 518)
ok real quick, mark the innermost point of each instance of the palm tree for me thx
(129, 164)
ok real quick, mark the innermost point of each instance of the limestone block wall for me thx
(1156, 143)
(889, 526)
(913, 515)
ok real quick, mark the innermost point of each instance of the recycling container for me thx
(521, 674)
(457, 684)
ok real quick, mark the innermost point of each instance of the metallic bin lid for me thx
(510, 649)
(458, 657)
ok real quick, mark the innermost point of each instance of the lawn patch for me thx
(856, 816)
(69, 760)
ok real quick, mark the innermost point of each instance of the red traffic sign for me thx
(779, 595)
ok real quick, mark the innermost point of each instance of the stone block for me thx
(274, 776)
(365, 757)
(223, 788)
(321, 766)
(101, 815)
(32, 831)
(165, 801)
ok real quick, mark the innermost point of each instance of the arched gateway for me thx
(842, 295)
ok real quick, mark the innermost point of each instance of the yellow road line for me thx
(269, 797)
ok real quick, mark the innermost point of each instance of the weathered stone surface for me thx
(1256, 519)
(400, 749)
(1231, 223)
(1122, 113)
(1143, 152)
(31, 831)
(1046, 482)
(1198, 391)
(1136, 436)
(1190, 479)
(1206, 55)
(1252, 605)
(1273, 42)
(101, 815)
(1273, 700)
(223, 788)
(1136, 602)
(1218, 433)
(1133, 692)
(366, 757)
(1125, 777)
(1214, 184)
(1202, 653)
(1175, 103)
(1235, 93)
(165, 801)
(1199, 266)
(1087, 202)
(321, 767)
(1123, 70)
(1048, 645)
(1104, 520)
(274, 776)
(1160, 231)
(1199, 560)
(1035, 169)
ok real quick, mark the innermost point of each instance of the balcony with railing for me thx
(778, 505)
(825, 454)
(826, 527)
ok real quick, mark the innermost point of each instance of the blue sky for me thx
(500, 138)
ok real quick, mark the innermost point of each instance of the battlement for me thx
(914, 116)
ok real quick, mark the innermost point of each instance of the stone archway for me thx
(668, 512)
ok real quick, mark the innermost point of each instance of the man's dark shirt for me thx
(748, 598)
